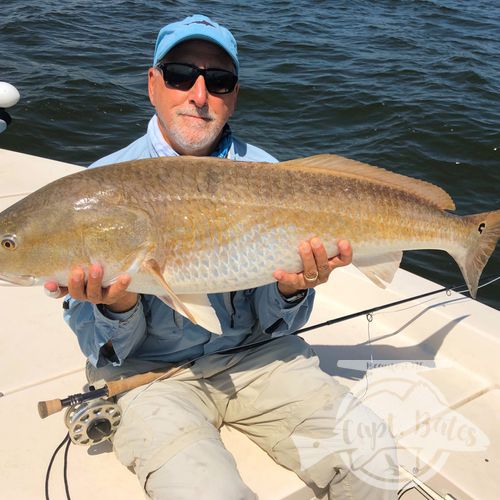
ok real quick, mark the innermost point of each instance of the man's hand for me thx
(316, 264)
(115, 296)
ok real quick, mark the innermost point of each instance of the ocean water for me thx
(413, 86)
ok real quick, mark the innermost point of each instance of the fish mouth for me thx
(17, 279)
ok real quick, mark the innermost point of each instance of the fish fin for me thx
(355, 169)
(379, 268)
(200, 306)
(195, 307)
(482, 242)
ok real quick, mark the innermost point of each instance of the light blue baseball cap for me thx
(195, 27)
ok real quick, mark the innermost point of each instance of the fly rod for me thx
(116, 387)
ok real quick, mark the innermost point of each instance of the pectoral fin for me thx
(202, 310)
(380, 268)
(195, 307)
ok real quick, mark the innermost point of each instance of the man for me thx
(275, 393)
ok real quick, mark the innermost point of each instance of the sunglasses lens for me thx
(179, 76)
(219, 81)
(182, 76)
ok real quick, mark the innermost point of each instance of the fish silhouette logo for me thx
(206, 23)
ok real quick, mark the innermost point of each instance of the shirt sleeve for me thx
(95, 327)
(278, 317)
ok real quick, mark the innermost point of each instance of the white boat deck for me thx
(40, 360)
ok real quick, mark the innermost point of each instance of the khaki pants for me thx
(276, 394)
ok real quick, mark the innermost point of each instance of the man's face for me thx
(191, 121)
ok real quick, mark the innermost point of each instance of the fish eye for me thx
(9, 242)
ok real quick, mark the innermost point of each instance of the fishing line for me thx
(448, 292)
(418, 304)
(374, 309)
(66, 441)
(489, 282)
(455, 288)
(370, 317)
(65, 469)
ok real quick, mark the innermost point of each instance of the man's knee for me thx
(158, 424)
(203, 470)
(343, 443)
(356, 470)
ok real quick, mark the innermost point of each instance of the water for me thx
(412, 86)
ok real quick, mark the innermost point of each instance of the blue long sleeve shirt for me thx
(153, 331)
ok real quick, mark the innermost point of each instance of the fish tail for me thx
(479, 246)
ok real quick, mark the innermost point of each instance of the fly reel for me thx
(92, 421)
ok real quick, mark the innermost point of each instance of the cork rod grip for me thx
(46, 408)
(113, 388)
(116, 387)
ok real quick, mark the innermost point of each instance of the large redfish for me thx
(184, 226)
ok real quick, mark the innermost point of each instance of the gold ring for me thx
(311, 279)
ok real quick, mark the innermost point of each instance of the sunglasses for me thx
(183, 76)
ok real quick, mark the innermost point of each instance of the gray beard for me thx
(190, 147)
